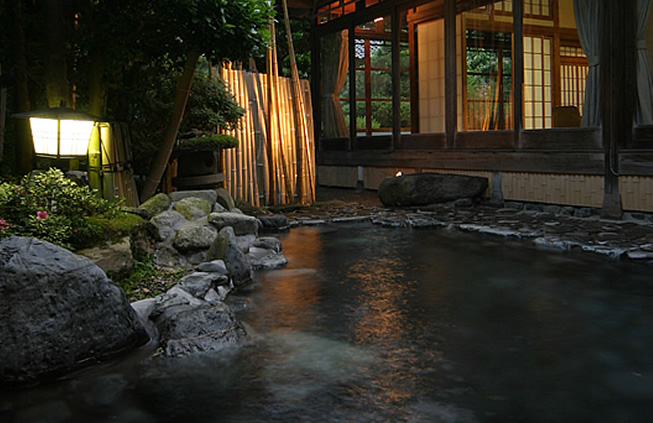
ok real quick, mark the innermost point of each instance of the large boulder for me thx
(59, 312)
(421, 189)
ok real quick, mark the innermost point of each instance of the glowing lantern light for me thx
(60, 132)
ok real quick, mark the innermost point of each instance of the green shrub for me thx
(51, 207)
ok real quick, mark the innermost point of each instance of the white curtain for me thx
(588, 23)
(644, 111)
(335, 63)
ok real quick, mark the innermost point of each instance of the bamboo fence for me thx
(274, 161)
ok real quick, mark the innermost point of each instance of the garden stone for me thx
(155, 205)
(171, 301)
(245, 242)
(427, 188)
(198, 284)
(59, 312)
(193, 208)
(266, 259)
(274, 223)
(218, 208)
(226, 248)
(270, 243)
(192, 237)
(115, 258)
(163, 225)
(242, 224)
(225, 199)
(206, 194)
(208, 327)
(216, 266)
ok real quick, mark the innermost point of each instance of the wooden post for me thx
(450, 88)
(517, 69)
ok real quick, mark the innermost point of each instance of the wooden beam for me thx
(578, 162)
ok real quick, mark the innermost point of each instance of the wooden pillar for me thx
(396, 79)
(450, 88)
(352, 86)
(618, 84)
(517, 69)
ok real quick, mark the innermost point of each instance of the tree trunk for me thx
(96, 85)
(56, 77)
(24, 151)
(170, 135)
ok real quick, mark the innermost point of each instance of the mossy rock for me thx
(211, 142)
(155, 205)
(193, 207)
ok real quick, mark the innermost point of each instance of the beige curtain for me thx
(644, 111)
(588, 23)
(335, 63)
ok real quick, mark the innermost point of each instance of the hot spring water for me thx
(369, 324)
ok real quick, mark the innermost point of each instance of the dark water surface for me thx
(369, 324)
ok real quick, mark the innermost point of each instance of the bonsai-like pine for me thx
(206, 142)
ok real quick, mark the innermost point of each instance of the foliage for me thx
(148, 280)
(51, 207)
(110, 228)
(211, 142)
(210, 106)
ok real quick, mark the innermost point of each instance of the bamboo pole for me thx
(303, 137)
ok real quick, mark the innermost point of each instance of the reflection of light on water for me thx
(382, 297)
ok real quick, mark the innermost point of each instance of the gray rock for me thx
(163, 225)
(246, 242)
(268, 261)
(242, 224)
(216, 266)
(155, 205)
(219, 208)
(208, 327)
(115, 258)
(274, 223)
(270, 243)
(59, 312)
(193, 208)
(420, 189)
(171, 302)
(192, 237)
(226, 248)
(206, 194)
(225, 199)
(198, 284)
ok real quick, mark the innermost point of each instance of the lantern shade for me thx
(60, 132)
(62, 138)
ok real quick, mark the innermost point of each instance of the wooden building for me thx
(549, 99)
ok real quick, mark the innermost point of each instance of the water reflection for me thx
(369, 324)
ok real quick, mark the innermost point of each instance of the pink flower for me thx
(3, 224)
(42, 214)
